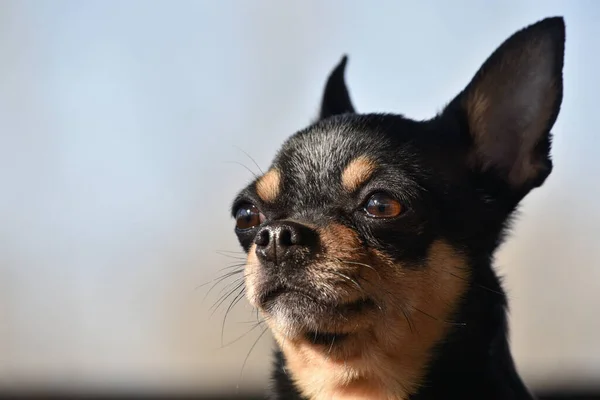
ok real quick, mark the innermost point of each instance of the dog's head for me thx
(366, 227)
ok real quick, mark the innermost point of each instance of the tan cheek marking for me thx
(357, 173)
(340, 242)
(269, 185)
(430, 296)
(391, 356)
(250, 275)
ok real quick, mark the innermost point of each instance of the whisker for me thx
(239, 163)
(237, 257)
(475, 283)
(349, 249)
(361, 264)
(248, 355)
(221, 279)
(331, 346)
(408, 320)
(346, 277)
(225, 297)
(237, 265)
(438, 319)
(249, 322)
(250, 157)
(232, 266)
(256, 325)
(377, 288)
(230, 285)
(235, 300)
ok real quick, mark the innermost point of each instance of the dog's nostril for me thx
(285, 237)
(262, 238)
(295, 237)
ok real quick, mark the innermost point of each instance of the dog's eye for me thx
(247, 217)
(381, 205)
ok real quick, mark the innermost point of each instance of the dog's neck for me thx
(475, 361)
(472, 362)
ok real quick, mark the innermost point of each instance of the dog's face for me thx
(348, 211)
(366, 227)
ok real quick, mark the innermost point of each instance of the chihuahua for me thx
(370, 239)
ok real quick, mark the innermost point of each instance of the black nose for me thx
(279, 241)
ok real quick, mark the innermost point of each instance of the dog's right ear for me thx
(336, 99)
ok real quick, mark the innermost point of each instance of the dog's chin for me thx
(300, 316)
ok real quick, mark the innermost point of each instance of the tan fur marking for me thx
(385, 357)
(357, 173)
(251, 270)
(268, 186)
(339, 241)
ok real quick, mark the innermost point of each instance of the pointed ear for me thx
(512, 103)
(336, 99)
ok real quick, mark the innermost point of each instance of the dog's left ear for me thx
(512, 103)
(336, 99)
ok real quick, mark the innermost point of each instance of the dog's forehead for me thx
(319, 152)
(316, 158)
(319, 167)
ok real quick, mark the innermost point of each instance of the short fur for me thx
(404, 306)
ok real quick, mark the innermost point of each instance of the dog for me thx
(370, 239)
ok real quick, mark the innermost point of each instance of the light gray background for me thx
(118, 125)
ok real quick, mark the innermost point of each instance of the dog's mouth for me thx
(324, 338)
(272, 295)
(315, 318)
(282, 293)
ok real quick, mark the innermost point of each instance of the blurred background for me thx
(123, 127)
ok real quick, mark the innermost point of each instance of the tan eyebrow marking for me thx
(357, 173)
(268, 186)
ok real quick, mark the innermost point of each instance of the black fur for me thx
(424, 164)
(336, 99)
